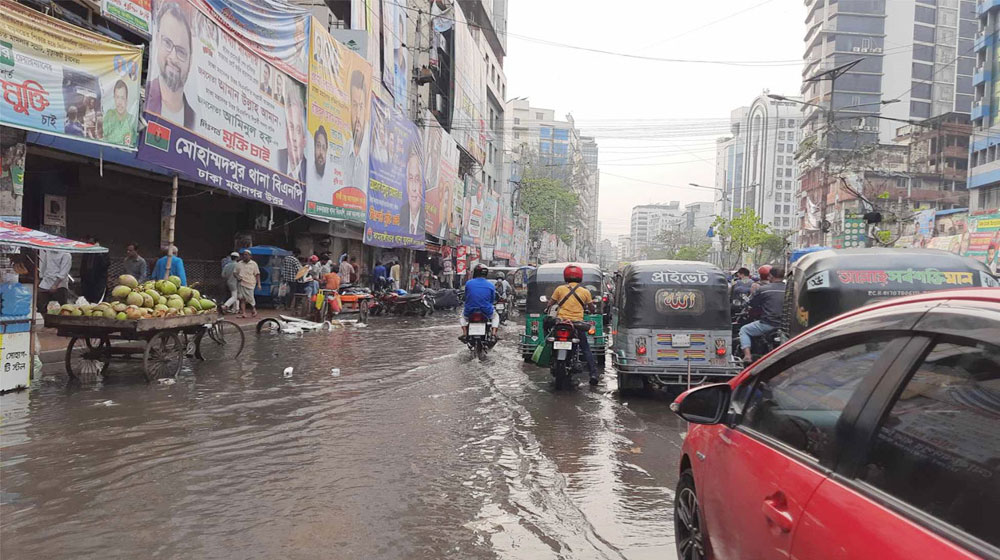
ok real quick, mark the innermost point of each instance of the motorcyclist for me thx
(742, 283)
(768, 301)
(764, 273)
(479, 296)
(573, 300)
(504, 289)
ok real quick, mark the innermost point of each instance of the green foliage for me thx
(744, 232)
(553, 207)
(696, 252)
(771, 249)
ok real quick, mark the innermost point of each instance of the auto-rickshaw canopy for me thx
(666, 294)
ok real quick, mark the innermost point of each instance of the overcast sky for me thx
(654, 121)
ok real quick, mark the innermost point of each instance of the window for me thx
(921, 90)
(517, 120)
(920, 110)
(781, 147)
(861, 82)
(791, 135)
(966, 65)
(517, 135)
(781, 135)
(788, 209)
(777, 208)
(800, 404)
(938, 448)
(777, 221)
(561, 134)
(923, 33)
(539, 116)
(785, 222)
(790, 148)
(788, 197)
(545, 147)
(780, 172)
(922, 71)
(923, 52)
(859, 24)
(925, 15)
(545, 131)
(781, 124)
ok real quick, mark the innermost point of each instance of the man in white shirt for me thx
(355, 158)
(53, 269)
(345, 271)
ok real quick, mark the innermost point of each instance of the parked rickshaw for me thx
(542, 281)
(824, 284)
(671, 325)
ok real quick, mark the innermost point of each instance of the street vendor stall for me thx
(17, 300)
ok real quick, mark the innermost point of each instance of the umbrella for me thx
(20, 236)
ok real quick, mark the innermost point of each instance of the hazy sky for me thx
(654, 121)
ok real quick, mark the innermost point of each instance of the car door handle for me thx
(775, 508)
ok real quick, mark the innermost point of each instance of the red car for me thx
(873, 435)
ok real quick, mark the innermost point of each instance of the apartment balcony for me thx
(981, 75)
(980, 110)
(983, 6)
(958, 152)
(982, 40)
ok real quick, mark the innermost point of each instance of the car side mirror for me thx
(703, 405)
(543, 299)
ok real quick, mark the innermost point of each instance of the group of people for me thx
(766, 301)
(242, 276)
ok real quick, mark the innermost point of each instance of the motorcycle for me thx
(503, 309)
(565, 361)
(759, 345)
(480, 339)
(396, 303)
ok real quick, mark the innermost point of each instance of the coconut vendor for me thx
(176, 266)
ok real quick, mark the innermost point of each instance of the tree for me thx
(742, 233)
(771, 249)
(553, 207)
(697, 252)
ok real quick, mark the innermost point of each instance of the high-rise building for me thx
(729, 164)
(769, 179)
(624, 248)
(588, 147)
(649, 221)
(984, 165)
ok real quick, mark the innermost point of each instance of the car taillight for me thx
(477, 317)
(640, 346)
(720, 347)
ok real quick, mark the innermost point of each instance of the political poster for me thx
(441, 173)
(396, 180)
(66, 81)
(472, 213)
(490, 209)
(277, 31)
(339, 104)
(984, 239)
(505, 236)
(219, 114)
(468, 120)
(132, 14)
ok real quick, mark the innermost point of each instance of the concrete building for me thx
(729, 164)
(607, 255)
(624, 248)
(648, 221)
(768, 183)
(555, 148)
(984, 165)
(937, 161)
(698, 217)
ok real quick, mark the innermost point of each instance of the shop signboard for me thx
(505, 238)
(490, 210)
(132, 14)
(855, 234)
(277, 31)
(219, 114)
(16, 372)
(984, 238)
(339, 103)
(475, 200)
(66, 81)
(396, 181)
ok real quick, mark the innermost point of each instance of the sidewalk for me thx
(53, 346)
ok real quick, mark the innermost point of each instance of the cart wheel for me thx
(222, 341)
(164, 356)
(86, 358)
(269, 325)
(363, 311)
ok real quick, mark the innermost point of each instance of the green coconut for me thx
(194, 302)
(190, 311)
(184, 292)
(207, 304)
(108, 313)
(175, 303)
(121, 316)
(195, 293)
(134, 298)
(121, 292)
(128, 280)
(118, 307)
(175, 280)
(168, 288)
(147, 301)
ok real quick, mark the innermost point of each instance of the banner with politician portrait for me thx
(276, 30)
(219, 114)
(441, 177)
(66, 81)
(396, 180)
(339, 103)
(472, 213)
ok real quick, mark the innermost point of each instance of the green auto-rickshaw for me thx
(542, 282)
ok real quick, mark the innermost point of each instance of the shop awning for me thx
(20, 236)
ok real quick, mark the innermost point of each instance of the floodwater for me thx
(413, 451)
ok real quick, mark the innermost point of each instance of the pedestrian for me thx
(314, 276)
(94, 273)
(395, 272)
(289, 269)
(449, 274)
(380, 276)
(53, 269)
(176, 266)
(355, 270)
(325, 265)
(345, 270)
(248, 274)
(232, 283)
(134, 264)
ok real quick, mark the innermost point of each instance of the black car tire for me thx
(689, 532)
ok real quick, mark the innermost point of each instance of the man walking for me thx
(289, 269)
(134, 264)
(232, 284)
(346, 270)
(248, 274)
(395, 272)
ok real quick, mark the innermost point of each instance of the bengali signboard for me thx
(490, 211)
(396, 181)
(441, 172)
(472, 213)
(66, 81)
(984, 239)
(219, 114)
(339, 132)
(277, 31)
(505, 237)
(132, 14)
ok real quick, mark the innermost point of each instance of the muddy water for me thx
(414, 451)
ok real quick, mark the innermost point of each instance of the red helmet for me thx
(764, 272)
(573, 273)
(313, 259)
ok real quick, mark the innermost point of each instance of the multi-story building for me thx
(698, 217)
(607, 256)
(554, 147)
(937, 161)
(729, 164)
(624, 248)
(649, 221)
(769, 183)
(984, 165)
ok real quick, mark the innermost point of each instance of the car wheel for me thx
(688, 527)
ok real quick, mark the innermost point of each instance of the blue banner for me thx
(396, 180)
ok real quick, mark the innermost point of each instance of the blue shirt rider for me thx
(480, 294)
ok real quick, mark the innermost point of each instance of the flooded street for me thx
(414, 451)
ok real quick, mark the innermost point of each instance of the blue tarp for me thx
(799, 253)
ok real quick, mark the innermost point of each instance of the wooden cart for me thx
(162, 342)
